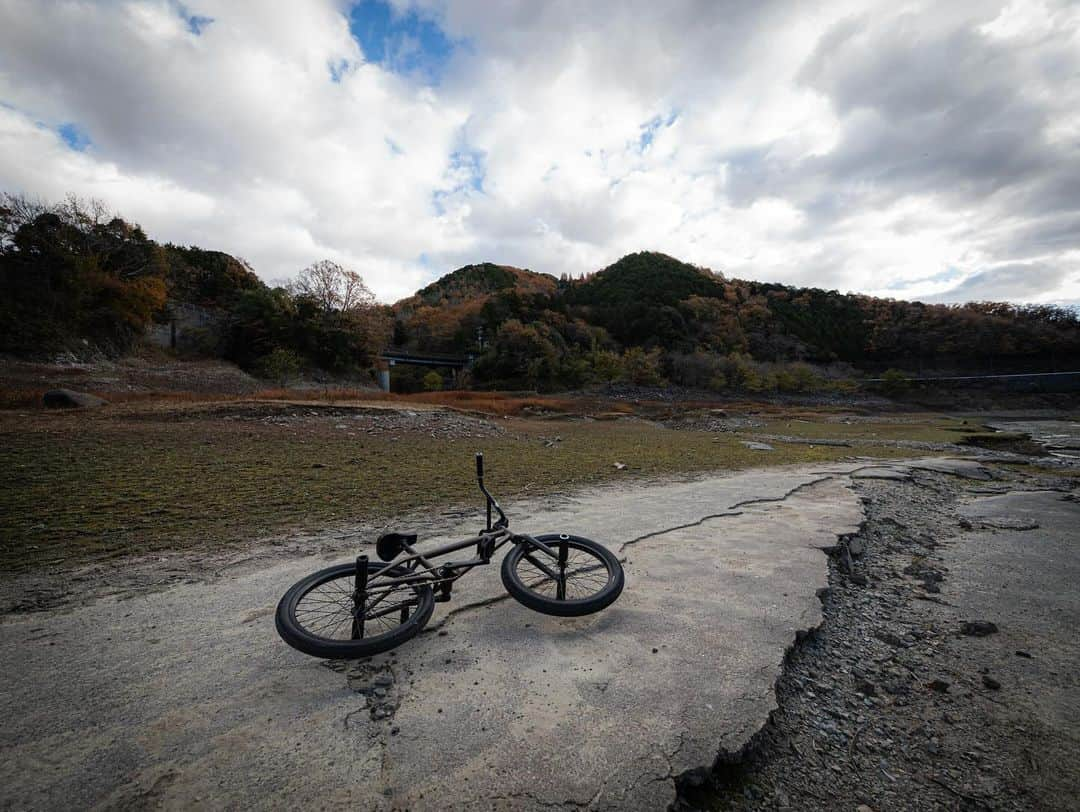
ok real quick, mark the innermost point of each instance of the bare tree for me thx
(333, 287)
(17, 210)
(84, 213)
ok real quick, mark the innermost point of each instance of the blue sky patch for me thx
(651, 127)
(469, 167)
(196, 23)
(950, 274)
(407, 43)
(471, 163)
(74, 136)
(339, 69)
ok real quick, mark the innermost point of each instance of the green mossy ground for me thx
(80, 487)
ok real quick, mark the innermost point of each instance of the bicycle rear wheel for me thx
(320, 614)
(583, 577)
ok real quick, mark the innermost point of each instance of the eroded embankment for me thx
(942, 672)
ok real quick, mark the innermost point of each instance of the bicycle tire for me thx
(303, 639)
(529, 595)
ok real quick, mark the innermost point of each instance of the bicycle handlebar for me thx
(491, 501)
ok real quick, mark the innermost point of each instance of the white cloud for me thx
(863, 146)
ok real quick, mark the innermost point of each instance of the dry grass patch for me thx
(77, 487)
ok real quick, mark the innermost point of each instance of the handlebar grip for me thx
(479, 465)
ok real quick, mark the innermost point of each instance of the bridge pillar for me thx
(383, 372)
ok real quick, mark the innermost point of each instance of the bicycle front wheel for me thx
(583, 577)
(321, 615)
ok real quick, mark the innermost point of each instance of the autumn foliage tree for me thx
(327, 317)
(70, 273)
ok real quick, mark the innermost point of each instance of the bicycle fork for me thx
(560, 589)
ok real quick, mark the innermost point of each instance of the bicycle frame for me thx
(554, 573)
(418, 568)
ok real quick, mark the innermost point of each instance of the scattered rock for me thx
(888, 474)
(990, 682)
(619, 466)
(978, 628)
(967, 469)
(965, 524)
(70, 399)
(753, 446)
(1023, 654)
(859, 579)
(1012, 524)
(939, 686)
(866, 688)
(856, 547)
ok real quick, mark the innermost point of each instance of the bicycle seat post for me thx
(360, 597)
(480, 480)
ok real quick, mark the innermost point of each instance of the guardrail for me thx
(1030, 381)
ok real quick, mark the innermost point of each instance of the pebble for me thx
(866, 688)
(753, 446)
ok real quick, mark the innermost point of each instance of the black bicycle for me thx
(364, 607)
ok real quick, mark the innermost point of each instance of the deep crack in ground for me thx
(886, 705)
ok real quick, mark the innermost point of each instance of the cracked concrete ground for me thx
(943, 673)
(187, 698)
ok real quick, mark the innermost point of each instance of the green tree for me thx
(895, 383)
(642, 368)
(280, 365)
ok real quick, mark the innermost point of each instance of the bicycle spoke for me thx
(327, 611)
(577, 574)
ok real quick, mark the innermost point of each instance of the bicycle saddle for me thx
(390, 544)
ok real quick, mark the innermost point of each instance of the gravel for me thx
(438, 423)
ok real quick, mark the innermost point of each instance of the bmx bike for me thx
(365, 607)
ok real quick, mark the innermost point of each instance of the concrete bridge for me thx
(392, 356)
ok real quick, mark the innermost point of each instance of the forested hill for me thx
(72, 277)
(698, 326)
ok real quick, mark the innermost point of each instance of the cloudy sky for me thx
(914, 150)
